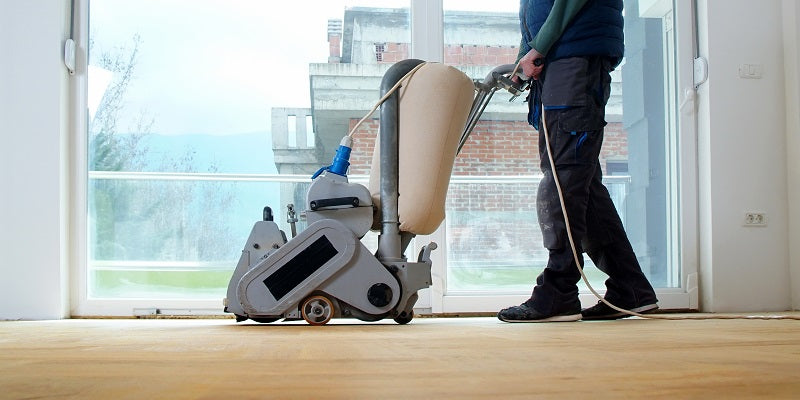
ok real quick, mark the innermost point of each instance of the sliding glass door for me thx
(199, 114)
(494, 242)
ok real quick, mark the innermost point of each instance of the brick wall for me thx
(335, 49)
(508, 148)
(391, 52)
(488, 223)
(462, 54)
(491, 222)
(363, 145)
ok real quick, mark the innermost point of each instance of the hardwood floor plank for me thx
(429, 358)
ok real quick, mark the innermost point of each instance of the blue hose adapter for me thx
(341, 161)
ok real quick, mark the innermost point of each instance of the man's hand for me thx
(528, 64)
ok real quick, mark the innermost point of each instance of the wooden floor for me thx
(430, 358)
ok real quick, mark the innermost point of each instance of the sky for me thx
(219, 66)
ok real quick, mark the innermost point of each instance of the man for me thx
(569, 47)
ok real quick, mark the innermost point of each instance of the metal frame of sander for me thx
(325, 271)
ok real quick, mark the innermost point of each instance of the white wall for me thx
(749, 158)
(33, 128)
(791, 34)
(743, 159)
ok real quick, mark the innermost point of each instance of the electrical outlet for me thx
(751, 71)
(755, 219)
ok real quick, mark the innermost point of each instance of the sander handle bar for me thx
(496, 79)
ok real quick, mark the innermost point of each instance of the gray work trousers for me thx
(574, 92)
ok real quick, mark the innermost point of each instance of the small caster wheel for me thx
(317, 310)
(404, 317)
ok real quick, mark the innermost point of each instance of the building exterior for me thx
(366, 43)
(491, 200)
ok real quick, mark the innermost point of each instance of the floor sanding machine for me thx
(324, 271)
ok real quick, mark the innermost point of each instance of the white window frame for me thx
(683, 224)
(427, 40)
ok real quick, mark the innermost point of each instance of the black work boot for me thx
(526, 313)
(601, 311)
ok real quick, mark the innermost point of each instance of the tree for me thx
(144, 219)
(108, 150)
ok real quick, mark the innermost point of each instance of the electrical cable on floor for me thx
(586, 280)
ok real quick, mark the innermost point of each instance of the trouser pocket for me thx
(570, 147)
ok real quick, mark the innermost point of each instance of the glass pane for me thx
(493, 235)
(201, 113)
(169, 238)
(494, 240)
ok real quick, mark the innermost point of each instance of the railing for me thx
(199, 176)
(182, 225)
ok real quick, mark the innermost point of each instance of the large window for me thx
(199, 115)
(202, 113)
(494, 241)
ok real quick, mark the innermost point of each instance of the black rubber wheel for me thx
(404, 318)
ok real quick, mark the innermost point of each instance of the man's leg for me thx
(555, 296)
(574, 92)
(556, 287)
(608, 246)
